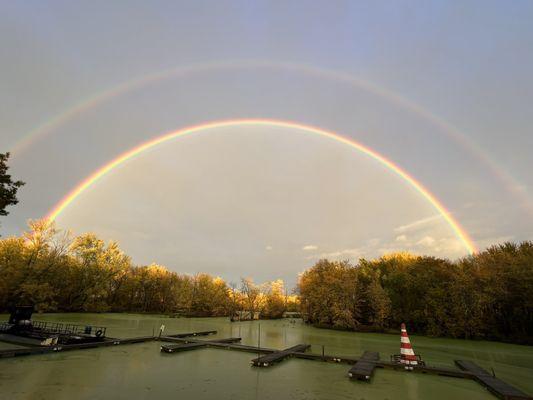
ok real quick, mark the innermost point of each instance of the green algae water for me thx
(141, 371)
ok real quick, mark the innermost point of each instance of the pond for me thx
(141, 371)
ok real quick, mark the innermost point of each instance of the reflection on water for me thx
(140, 371)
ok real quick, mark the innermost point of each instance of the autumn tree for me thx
(211, 296)
(251, 294)
(486, 295)
(275, 304)
(329, 294)
(503, 278)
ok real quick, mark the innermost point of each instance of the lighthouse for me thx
(407, 356)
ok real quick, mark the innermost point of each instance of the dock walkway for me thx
(496, 386)
(221, 345)
(192, 334)
(28, 351)
(174, 348)
(364, 368)
(277, 356)
(186, 344)
(66, 347)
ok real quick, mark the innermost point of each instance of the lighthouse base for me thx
(398, 359)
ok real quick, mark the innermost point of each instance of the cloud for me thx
(309, 247)
(417, 224)
(367, 249)
(427, 244)
(268, 248)
(426, 241)
(339, 254)
(401, 238)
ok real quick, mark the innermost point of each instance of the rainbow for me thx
(95, 176)
(509, 182)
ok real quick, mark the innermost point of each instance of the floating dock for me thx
(496, 386)
(174, 348)
(191, 345)
(220, 344)
(7, 353)
(277, 356)
(192, 334)
(66, 347)
(364, 367)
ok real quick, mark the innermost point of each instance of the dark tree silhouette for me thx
(8, 187)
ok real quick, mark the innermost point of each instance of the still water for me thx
(140, 371)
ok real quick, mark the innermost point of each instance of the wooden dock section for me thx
(450, 372)
(496, 386)
(192, 345)
(277, 356)
(364, 368)
(220, 344)
(193, 334)
(367, 363)
(174, 348)
(56, 348)
(81, 346)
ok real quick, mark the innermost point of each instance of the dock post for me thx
(259, 341)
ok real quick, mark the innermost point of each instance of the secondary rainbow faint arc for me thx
(461, 234)
(509, 181)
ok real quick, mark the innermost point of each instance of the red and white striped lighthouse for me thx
(407, 355)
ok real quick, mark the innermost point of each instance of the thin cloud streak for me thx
(418, 224)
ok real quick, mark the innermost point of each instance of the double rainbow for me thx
(94, 177)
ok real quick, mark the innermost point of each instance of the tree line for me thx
(55, 272)
(488, 295)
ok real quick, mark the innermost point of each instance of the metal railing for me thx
(5, 326)
(397, 358)
(68, 329)
(55, 328)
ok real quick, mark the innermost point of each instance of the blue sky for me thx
(468, 63)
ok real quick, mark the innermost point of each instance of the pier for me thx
(277, 356)
(220, 344)
(191, 345)
(27, 351)
(66, 347)
(174, 348)
(364, 367)
(496, 386)
(193, 334)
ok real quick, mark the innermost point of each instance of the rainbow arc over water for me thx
(461, 234)
(46, 127)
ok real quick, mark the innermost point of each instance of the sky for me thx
(442, 89)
